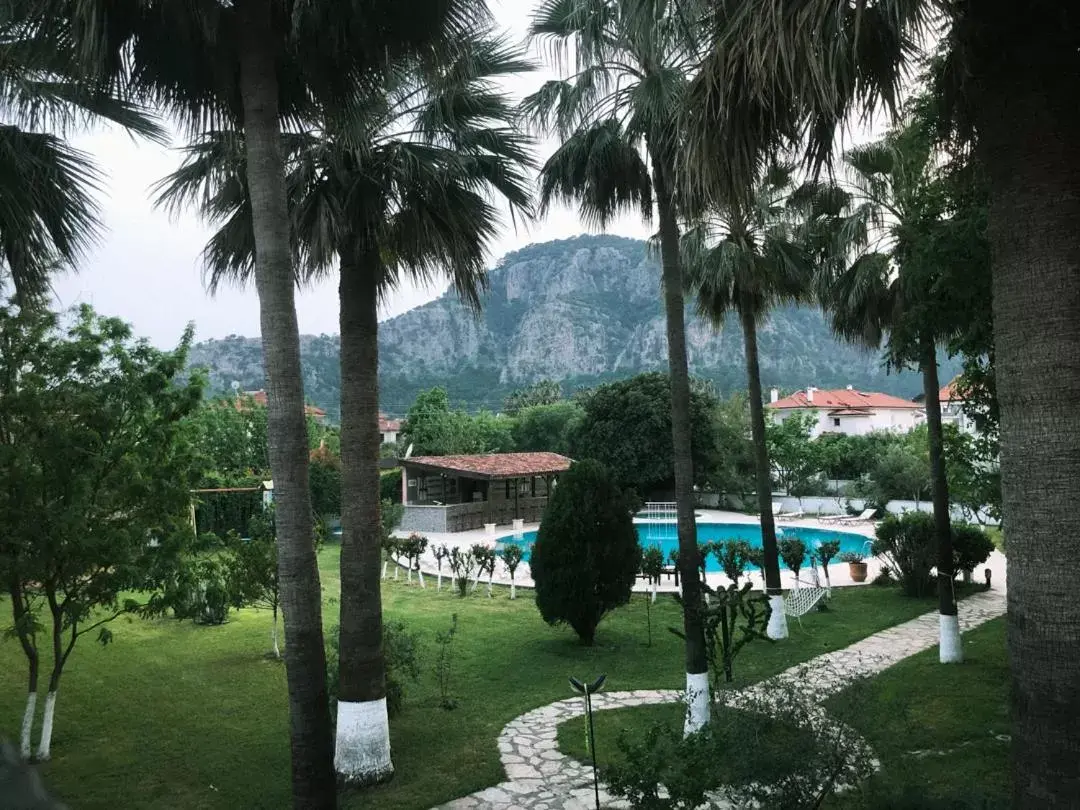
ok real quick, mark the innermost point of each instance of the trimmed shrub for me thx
(971, 547)
(793, 553)
(586, 556)
(733, 556)
(906, 543)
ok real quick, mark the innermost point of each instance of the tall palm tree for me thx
(400, 183)
(48, 214)
(779, 69)
(617, 115)
(252, 64)
(897, 284)
(748, 258)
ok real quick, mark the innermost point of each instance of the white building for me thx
(952, 411)
(389, 428)
(845, 410)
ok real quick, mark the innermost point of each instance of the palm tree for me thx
(251, 64)
(617, 116)
(747, 258)
(398, 184)
(49, 215)
(900, 284)
(779, 69)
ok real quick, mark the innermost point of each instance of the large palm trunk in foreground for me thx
(697, 678)
(950, 649)
(313, 783)
(363, 733)
(1029, 127)
(763, 479)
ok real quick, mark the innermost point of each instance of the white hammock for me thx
(801, 601)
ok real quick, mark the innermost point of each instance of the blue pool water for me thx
(664, 536)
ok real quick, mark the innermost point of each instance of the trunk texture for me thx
(763, 482)
(1029, 130)
(363, 740)
(675, 312)
(949, 648)
(310, 732)
(45, 744)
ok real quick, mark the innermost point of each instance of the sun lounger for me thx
(866, 515)
(789, 515)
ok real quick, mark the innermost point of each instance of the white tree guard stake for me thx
(777, 628)
(697, 702)
(952, 650)
(46, 727)
(363, 742)
(25, 748)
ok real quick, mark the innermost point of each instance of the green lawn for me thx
(942, 729)
(171, 715)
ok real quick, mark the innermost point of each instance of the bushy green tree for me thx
(586, 555)
(794, 457)
(731, 468)
(544, 392)
(547, 427)
(906, 542)
(253, 571)
(92, 426)
(626, 426)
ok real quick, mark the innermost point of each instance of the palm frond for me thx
(48, 212)
(602, 170)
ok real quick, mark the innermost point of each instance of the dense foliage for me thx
(586, 556)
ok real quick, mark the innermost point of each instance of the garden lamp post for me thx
(588, 690)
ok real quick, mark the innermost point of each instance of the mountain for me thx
(581, 311)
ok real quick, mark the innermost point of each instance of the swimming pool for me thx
(664, 536)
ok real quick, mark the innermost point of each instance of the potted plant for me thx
(856, 565)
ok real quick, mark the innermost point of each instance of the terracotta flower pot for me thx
(857, 571)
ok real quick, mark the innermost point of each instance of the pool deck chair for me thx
(866, 516)
(801, 601)
(777, 507)
(798, 513)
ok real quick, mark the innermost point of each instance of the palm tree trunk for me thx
(763, 480)
(1029, 141)
(697, 677)
(313, 783)
(363, 738)
(949, 645)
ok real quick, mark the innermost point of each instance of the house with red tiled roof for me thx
(952, 408)
(389, 428)
(457, 493)
(848, 411)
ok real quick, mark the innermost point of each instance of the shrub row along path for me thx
(540, 777)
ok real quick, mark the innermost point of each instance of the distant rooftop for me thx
(494, 465)
(845, 398)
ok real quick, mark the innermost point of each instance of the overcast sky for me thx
(146, 268)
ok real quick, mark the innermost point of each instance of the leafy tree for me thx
(550, 428)
(971, 546)
(900, 474)
(544, 392)
(747, 256)
(434, 429)
(825, 552)
(511, 555)
(625, 427)
(253, 571)
(793, 553)
(732, 465)
(462, 564)
(733, 556)
(974, 475)
(586, 555)
(325, 478)
(96, 463)
(794, 457)
(618, 115)
(907, 544)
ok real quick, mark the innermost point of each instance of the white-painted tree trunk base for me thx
(513, 590)
(438, 586)
(385, 563)
(45, 746)
(420, 578)
(777, 628)
(362, 755)
(697, 702)
(397, 570)
(25, 745)
(408, 576)
(654, 593)
(274, 638)
(952, 650)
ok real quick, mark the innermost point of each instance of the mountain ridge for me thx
(581, 311)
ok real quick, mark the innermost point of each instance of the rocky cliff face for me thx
(580, 311)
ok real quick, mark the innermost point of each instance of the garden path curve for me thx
(540, 777)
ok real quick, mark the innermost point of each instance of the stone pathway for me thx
(539, 777)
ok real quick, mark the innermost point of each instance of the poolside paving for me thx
(540, 777)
